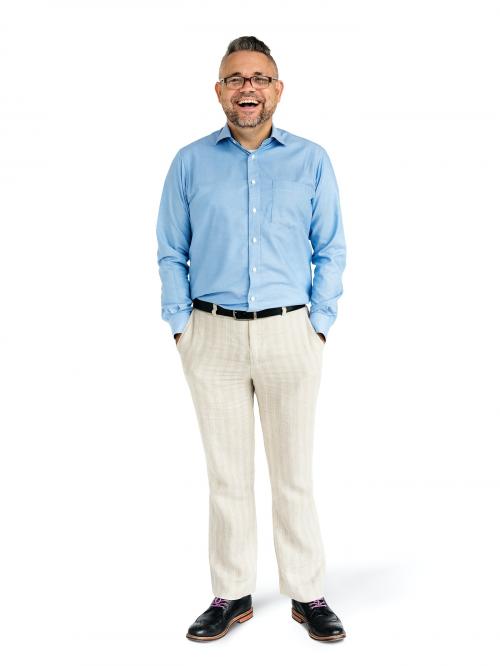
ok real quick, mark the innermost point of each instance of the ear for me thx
(218, 90)
(280, 85)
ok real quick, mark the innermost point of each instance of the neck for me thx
(251, 137)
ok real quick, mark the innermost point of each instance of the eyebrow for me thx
(240, 74)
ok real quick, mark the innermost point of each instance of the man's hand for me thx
(321, 336)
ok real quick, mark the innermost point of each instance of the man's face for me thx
(248, 63)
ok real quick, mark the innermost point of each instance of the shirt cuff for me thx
(179, 320)
(321, 322)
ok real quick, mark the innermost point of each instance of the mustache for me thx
(247, 97)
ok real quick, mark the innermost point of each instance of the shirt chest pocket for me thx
(292, 203)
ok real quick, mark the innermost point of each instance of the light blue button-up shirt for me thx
(241, 228)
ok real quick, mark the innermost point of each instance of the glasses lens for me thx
(260, 82)
(234, 82)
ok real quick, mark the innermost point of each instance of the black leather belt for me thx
(214, 308)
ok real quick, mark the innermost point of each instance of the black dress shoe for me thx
(220, 615)
(323, 624)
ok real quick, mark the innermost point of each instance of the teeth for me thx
(253, 101)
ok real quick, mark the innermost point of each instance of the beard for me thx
(240, 119)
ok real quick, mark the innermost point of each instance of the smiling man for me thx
(243, 214)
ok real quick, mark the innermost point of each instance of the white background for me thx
(104, 497)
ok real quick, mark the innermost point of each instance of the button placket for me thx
(253, 222)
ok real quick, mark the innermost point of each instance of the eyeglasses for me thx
(237, 82)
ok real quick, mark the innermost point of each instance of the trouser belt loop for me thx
(214, 308)
(283, 310)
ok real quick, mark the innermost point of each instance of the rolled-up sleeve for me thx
(173, 232)
(329, 249)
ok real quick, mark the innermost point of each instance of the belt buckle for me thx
(235, 317)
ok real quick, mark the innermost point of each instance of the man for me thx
(244, 212)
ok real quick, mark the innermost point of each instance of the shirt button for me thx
(254, 269)
(253, 182)
(252, 298)
(254, 239)
(254, 210)
(253, 156)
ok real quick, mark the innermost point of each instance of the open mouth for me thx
(248, 104)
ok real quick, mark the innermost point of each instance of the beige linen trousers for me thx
(226, 361)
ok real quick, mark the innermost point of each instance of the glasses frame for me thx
(249, 78)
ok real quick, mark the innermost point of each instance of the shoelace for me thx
(219, 602)
(317, 603)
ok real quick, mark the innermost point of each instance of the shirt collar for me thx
(276, 133)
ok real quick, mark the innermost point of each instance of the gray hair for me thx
(248, 43)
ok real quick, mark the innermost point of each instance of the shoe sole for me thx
(298, 617)
(243, 617)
